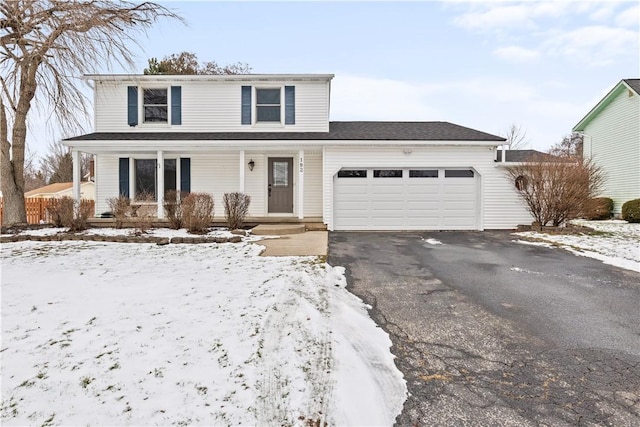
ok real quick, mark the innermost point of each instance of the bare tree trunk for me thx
(14, 209)
(13, 154)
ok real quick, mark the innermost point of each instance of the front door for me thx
(280, 185)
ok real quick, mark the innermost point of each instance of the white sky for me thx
(485, 65)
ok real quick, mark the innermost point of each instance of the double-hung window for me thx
(156, 108)
(147, 179)
(268, 105)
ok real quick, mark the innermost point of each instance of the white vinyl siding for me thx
(216, 174)
(498, 207)
(612, 139)
(255, 183)
(107, 181)
(312, 184)
(213, 107)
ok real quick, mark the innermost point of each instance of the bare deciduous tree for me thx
(33, 175)
(187, 63)
(570, 146)
(516, 137)
(44, 47)
(556, 189)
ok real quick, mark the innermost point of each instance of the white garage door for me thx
(406, 199)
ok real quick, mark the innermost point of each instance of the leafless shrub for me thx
(236, 208)
(64, 212)
(60, 211)
(598, 208)
(197, 212)
(120, 208)
(82, 212)
(142, 212)
(555, 189)
(173, 208)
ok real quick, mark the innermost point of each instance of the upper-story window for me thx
(268, 105)
(155, 105)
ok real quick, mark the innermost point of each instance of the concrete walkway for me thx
(304, 244)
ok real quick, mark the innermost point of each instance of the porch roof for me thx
(345, 131)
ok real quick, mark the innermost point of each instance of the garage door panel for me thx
(456, 205)
(422, 205)
(408, 203)
(350, 206)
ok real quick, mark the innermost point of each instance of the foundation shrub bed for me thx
(631, 211)
(197, 212)
(599, 208)
(236, 208)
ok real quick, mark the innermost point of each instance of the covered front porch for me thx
(284, 183)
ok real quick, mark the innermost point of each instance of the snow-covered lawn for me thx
(614, 242)
(97, 333)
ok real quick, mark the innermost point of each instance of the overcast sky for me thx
(485, 65)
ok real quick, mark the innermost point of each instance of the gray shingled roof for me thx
(633, 84)
(521, 155)
(375, 131)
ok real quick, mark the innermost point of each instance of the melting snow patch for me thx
(433, 241)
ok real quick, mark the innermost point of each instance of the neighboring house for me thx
(612, 139)
(62, 189)
(269, 136)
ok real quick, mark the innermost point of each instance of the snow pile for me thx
(615, 242)
(141, 334)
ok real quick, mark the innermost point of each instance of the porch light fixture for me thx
(251, 164)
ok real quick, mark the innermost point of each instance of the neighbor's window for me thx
(387, 173)
(352, 173)
(268, 105)
(155, 105)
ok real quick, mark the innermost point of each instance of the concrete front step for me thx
(277, 229)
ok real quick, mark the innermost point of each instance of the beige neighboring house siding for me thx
(64, 189)
(612, 140)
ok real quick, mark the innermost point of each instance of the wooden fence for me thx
(36, 208)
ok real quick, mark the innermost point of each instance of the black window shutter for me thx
(132, 103)
(124, 176)
(246, 105)
(176, 105)
(185, 174)
(289, 105)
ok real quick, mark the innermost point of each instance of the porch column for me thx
(242, 186)
(301, 184)
(77, 175)
(160, 188)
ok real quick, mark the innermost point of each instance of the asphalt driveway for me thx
(492, 332)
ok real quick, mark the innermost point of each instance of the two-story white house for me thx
(269, 135)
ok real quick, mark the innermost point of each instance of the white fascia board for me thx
(204, 145)
(137, 78)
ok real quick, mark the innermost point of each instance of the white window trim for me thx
(141, 106)
(254, 107)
